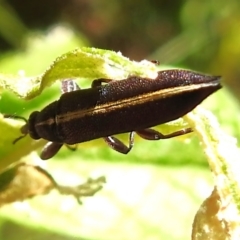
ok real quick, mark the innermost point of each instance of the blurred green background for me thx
(155, 191)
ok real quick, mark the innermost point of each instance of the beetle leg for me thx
(151, 134)
(50, 149)
(98, 82)
(71, 147)
(118, 145)
(156, 62)
(111, 141)
(69, 85)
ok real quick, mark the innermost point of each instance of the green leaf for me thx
(88, 63)
(223, 157)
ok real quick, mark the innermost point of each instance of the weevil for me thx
(110, 107)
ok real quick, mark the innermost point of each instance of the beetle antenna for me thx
(19, 138)
(15, 117)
